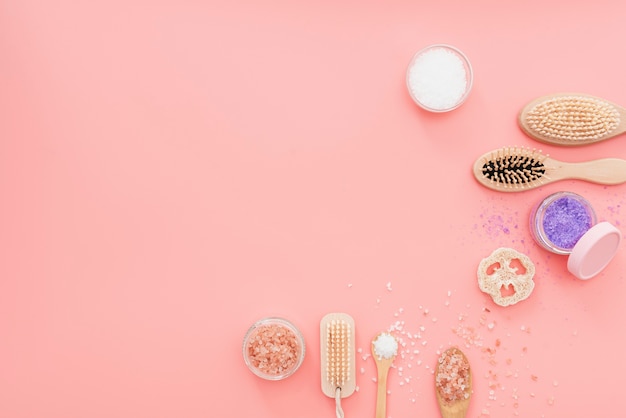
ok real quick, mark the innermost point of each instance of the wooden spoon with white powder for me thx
(384, 351)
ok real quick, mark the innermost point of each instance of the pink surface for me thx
(171, 172)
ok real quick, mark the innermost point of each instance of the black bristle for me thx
(515, 169)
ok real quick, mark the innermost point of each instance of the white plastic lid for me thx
(594, 250)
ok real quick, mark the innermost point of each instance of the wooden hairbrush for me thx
(516, 169)
(572, 119)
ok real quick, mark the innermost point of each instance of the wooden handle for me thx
(381, 393)
(621, 128)
(603, 171)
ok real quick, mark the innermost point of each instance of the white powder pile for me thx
(385, 346)
(438, 79)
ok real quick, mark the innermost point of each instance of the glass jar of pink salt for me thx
(566, 223)
(273, 348)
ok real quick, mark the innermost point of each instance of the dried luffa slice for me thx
(503, 269)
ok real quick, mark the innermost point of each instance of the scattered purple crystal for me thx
(565, 221)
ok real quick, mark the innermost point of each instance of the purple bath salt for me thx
(565, 221)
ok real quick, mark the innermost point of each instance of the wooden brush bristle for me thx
(573, 119)
(514, 167)
(338, 355)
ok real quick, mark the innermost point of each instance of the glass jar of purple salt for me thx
(560, 220)
(565, 223)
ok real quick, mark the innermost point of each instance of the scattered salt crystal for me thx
(389, 286)
(471, 335)
(362, 370)
(349, 285)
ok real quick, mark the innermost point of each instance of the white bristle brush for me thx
(338, 357)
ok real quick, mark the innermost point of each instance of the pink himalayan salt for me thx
(273, 349)
(453, 376)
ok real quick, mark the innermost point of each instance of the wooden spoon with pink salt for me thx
(453, 383)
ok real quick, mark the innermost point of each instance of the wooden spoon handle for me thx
(381, 393)
(603, 171)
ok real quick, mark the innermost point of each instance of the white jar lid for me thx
(594, 250)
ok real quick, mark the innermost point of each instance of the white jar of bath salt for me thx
(439, 78)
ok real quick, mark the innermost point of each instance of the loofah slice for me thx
(507, 276)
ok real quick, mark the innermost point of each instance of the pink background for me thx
(172, 171)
